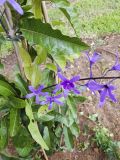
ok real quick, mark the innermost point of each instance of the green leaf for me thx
(36, 7)
(3, 133)
(4, 102)
(6, 89)
(67, 10)
(23, 138)
(14, 121)
(46, 136)
(36, 75)
(1, 66)
(25, 151)
(17, 102)
(47, 77)
(45, 118)
(33, 128)
(21, 84)
(53, 40)
(28, 72)
(51, 66)
(72, 106)
(75, 129)
(41, 55)
(26, 59)
(68, 138)
(23, 142)
(79, 99)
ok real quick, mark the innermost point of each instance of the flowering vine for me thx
(66, 86)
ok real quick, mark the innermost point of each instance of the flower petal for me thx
(16, 6)
(37, 100)
(94, 86)
(74, 79)
(50, 106)
(58, 96)
(30, 95)
(111, 95)
(66, 92)
(103, 94)
(62, 77)
(31, 88)
(43, 102)
(2, 2)
(95, 57)
(76, 91)
(57, 88)
(58, 102)
(40, 87)
(116, 67)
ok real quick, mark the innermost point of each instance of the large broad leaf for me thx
(68, 138)
(23, 142)
(33, 128)
(72, 107)
(26, 59)
(47, 136)
(41, 55)
(14, 121)
(6, 89)
(54, 41)
(17, 102)
(3, 133)
(21, 84)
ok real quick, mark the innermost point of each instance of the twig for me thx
(45, 155)
(45, 13)
(8, 18)
(86, 79)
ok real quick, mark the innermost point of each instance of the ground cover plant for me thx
(38, 107)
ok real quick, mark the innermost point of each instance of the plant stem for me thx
(45, 13)
(86, 79)
(8, 18)
(45, 155)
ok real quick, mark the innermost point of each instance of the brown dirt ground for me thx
(109, 115)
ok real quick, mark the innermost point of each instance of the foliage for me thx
(46, 118)
(89, 18)
(104, 141)
(26, 124)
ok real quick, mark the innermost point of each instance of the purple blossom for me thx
(67, 85)
(52, 99)
(104, 91)
(14, 4)
(93, 60)
(116, 66)
(36, 92)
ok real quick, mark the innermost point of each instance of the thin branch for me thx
(45, 12)
(8, 18)
(86, 79)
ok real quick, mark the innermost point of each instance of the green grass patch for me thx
(91, 18)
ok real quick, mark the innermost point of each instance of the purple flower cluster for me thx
(68, 86)
(14, 4)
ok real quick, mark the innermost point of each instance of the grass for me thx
(91, 18)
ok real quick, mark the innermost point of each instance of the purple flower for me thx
(104, 91)
(67, 85)
(116, 66)
(52, 99)
(107, 92)
(36, 92)
(14, 4)
(93, 60)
